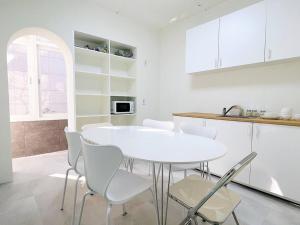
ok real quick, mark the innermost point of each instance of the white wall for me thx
(62, 18)
(268, 87)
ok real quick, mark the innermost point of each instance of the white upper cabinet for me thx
(283, 33)
(202, 47)
(242, 36)
(276, 167)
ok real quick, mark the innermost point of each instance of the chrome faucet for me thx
(225, 111)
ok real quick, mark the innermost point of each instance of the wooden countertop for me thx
(239, 119)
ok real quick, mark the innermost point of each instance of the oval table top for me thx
(157, 145)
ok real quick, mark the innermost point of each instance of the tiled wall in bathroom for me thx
(37, 137)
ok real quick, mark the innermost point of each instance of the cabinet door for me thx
(179, 119)
(236, 136)
(202, 47)
(242, 36)
(276, 167)
(283, 33)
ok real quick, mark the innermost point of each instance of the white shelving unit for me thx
(101, 77)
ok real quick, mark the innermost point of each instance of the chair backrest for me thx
(194, 129)
(164, 125)
(100, 163)
(227, 178)
(92, 125)
(74, 146)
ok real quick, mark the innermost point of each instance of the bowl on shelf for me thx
(296, 117)
(285, 116)
(286, 111)
(270, 115)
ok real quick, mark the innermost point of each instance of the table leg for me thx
(161, 209)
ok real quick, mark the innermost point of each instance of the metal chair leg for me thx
(158, 172)
(149, 169)
(195, 220)
(65, 187)
(75, 199)
(131, 165)
(82, 205)
(108, 214)
(235, 218)
(124, 210)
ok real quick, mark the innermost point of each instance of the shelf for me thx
(92, 115)
(90, 73)
(101, 78)
(125, 114)
(91, 93)
(122, 77)
(122, 58)
(90, 52)
(122, 95)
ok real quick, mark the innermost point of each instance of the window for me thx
(36, 79)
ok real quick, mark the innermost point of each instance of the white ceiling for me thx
(158, 13)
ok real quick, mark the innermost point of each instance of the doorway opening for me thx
(38, 94)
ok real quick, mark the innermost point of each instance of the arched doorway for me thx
(40, 81)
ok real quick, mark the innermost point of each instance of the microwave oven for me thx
(122, 107)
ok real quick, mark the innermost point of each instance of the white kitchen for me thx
(150, 112)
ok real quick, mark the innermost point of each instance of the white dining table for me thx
(160, 147)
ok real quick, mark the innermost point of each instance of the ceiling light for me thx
(173, 19)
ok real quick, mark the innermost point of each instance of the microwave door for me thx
(123, 107)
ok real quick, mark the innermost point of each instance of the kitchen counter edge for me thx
(212, 116)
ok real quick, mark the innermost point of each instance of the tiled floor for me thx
(35, 195)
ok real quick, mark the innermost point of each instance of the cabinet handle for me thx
(257, 132)
(216, 63)
(270, 54)
(250, 132)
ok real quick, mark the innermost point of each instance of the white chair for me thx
(193, 129)
(214, 203)
(92, 125)
(75, 161)
(164, 125)
(104, 177)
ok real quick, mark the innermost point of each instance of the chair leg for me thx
(131, 165)
(158, 172)
(82, 205)
(65, 187)
(149, 169)
(185, 173)
(108, 214)
(195, 220)
(124, 210)
(235, 218)
(75, 199)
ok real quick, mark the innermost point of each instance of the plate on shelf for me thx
(270, 117)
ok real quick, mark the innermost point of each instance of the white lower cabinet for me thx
(276, 168)
(236, 136)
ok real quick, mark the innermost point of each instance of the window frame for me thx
(35, 112)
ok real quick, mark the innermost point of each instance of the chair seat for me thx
(80, 166)
(192, 189)
(124, 186)
(181, 167)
